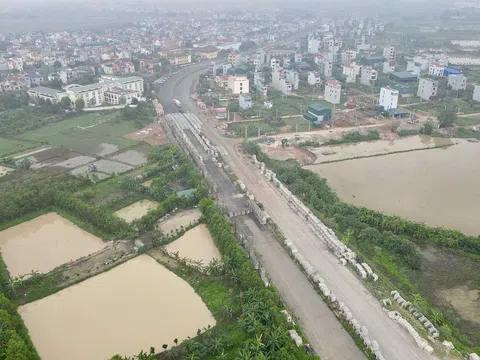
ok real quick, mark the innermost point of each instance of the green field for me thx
(10, 147)
(465, 121)
(86, 132)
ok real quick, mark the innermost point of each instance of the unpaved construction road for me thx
(331, 341)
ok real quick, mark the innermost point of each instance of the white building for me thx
(457, 82)
(476, 93)
(351, 70)
(348, 55)
(293, 77)
(245, 101)
(235, 59)
(436, 69)
(333, 91)
(388, 98)
(274, 64)
(238, 85)
(414, 67)
(390, 54)
(225, 68)
(298, 57)
(388, 67)
(325, 66)
(369, 75)
(280, 83)
(314, 78)
(427, 88)
(313, 45)
(66, 75)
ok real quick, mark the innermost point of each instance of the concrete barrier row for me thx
(432, 330)
(345, 312)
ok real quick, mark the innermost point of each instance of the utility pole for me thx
(246, 132)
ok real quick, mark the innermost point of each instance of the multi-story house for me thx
(457, 82)
(351, 70)
(476, 93)
(314, 78)
(238, 85)
(436, 69)
(388, 98)
(235, 59)
(333, 91)
(427, 88)
(368, 75)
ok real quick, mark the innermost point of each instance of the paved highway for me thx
(395, 343)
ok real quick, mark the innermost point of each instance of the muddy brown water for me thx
(196, 244)
(436, 186)
(136, 210)
(182, 218)
(134, 306)
(369, 148)
(44, 243)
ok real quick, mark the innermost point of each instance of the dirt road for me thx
(395, 343)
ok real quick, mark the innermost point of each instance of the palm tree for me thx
(437, 317)
(244, 354)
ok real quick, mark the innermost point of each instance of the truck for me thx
(177, 102)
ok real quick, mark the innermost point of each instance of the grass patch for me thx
(467, 121)
(85, 133)
(11, 146)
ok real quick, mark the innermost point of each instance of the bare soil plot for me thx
(196, 244)
(127, 303)
(104, 166)
(5, 170)
(152, 134)
(131, 157)
(75, 162)
(44, 243)
(302, 155)
(182, 218)
(136, 210)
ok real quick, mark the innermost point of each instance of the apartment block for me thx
(351, 70)
(368, 76)
(427, 88)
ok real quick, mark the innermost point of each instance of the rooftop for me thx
(403, 74)
(111, 80)
(45, 90)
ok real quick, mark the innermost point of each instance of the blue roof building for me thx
(451, 71)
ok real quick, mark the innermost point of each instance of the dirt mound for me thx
(152, 134)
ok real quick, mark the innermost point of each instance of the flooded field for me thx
(44, 243)
(134, 306)
(136, 210)
(437, 186)
(183, 218)
(196, 244)
(450, 280)
(131, 157)
(348, 151)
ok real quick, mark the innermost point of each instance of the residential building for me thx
(325, 66)
(182, 59)
(12, 84)
(33, 79)
(427, 88)
(414, 67)
(476, 93)
(368, 75)
(235, 59)
(388, 67)
(451, 71)
(390, 54)
(245, 101)
(351, 70)
(66, 75)
(348, 55)
(225, 68)
(423, 61)
(238, 84)
(274, 64)
(212, 69)
(293, 77)
(388, 98)
(298, 57)
(222, 81)
(259, 83)
(313, 45)
(280, 83)
(457, 82)
(333, 91)
(314, 78)
(436, 69)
